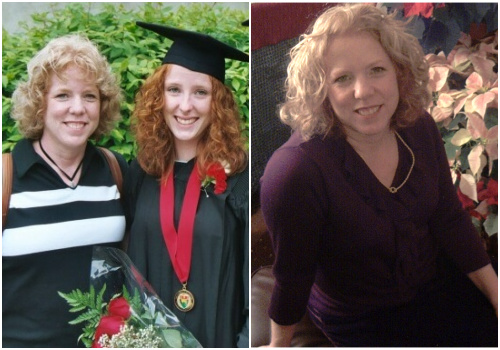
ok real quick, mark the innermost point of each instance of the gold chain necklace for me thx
(396, 189)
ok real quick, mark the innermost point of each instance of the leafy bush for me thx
(132, 52)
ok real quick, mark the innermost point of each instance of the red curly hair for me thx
(221, 141)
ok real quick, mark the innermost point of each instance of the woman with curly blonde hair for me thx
(368, 232)
(189, 189)
(307, 108)
(29, 99)
(64, 198)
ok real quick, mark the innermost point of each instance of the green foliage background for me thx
(132, 52)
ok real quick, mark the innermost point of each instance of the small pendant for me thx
(184, 299)
(393, 189)
(205, 190)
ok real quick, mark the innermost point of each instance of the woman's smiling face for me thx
(362, 86)
(73, 109)
(188, 97)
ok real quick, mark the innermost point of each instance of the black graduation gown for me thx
(219, 267)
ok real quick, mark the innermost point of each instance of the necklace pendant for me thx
(184, 299)
(70, 178)
(205, 190)
(396, 189)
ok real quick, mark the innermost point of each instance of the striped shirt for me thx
(47, 244)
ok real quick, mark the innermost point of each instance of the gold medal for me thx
(180, 243)
(184, 299)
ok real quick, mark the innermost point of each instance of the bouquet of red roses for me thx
(121, 310)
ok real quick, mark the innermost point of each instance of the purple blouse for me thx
(333, 224)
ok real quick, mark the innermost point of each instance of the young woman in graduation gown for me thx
(189, 190)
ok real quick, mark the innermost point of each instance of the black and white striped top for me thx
(47, 243)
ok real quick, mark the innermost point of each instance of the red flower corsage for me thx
(216, 174)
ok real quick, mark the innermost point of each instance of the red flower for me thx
(477, 215)
(488, 192)
(424, 9)
(119, 307)
(467, 203)
(217, 174)
(109, 325)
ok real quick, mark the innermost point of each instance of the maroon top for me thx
(335, 225)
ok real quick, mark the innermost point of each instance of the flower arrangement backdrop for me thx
(461, 45)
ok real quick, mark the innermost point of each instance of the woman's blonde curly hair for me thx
(307, 108)
(221, 141)
(29, 101)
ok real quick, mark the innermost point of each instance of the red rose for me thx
(119, 307)
(109, 325)
(220, 186)
(217, 172)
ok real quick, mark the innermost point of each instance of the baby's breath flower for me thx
(128, 337)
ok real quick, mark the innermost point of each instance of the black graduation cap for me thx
(196, 51)
(245, 23)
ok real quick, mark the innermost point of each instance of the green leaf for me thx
(491, 224)
(460, 118)
(15, 137)
(89, 315)
(173, 338)
(451, 150)
(461, 137)
(464, 157)
(235, 84)
(91, 297)
(99, 301)
(477, 224)
(87, 342)
(491, 117)
(117, 135)
(77, 308)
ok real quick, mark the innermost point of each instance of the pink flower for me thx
(438, 77)
(119, 307)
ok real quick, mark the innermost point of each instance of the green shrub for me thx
(132, 51)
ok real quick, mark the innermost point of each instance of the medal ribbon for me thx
(179, 244)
